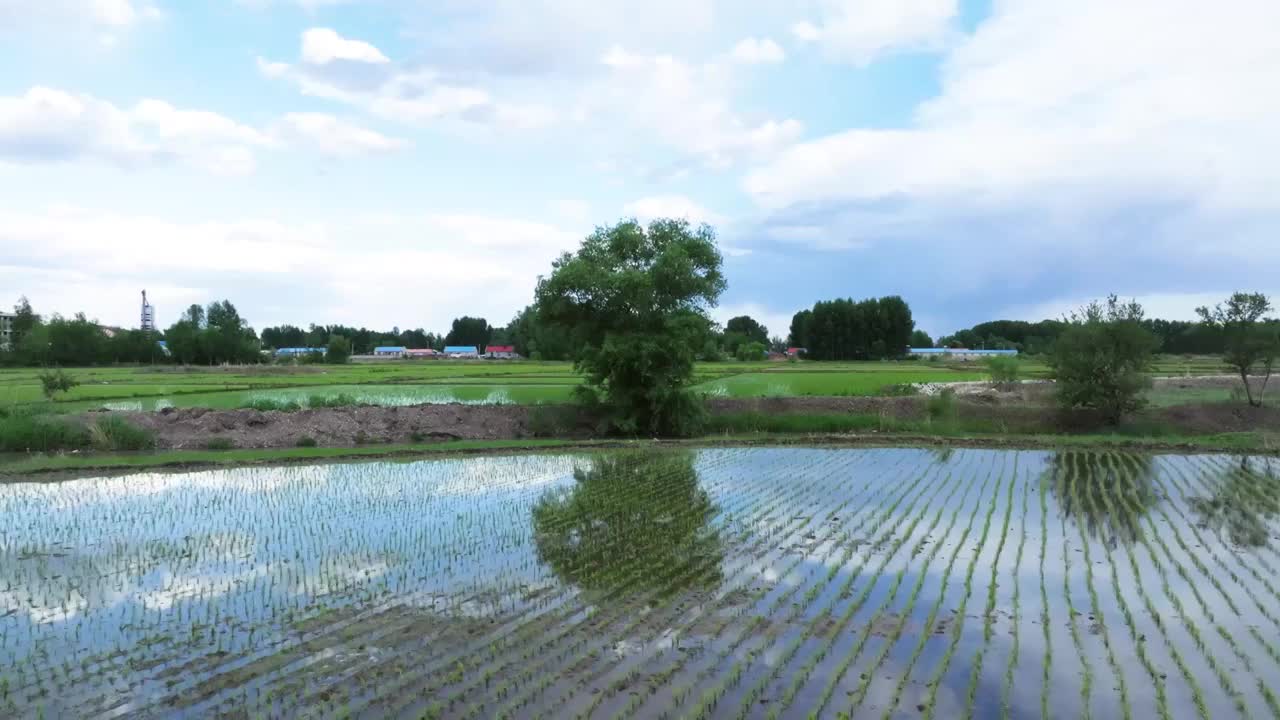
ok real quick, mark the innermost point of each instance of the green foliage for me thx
(213, 336)
(31, 432)
(338, 351)
(1243, 503)
(306, 441)
(1004, 370)
(538, 340)
(115, 433)
(1102, 359)
(1252, 344)
(219, 443)
(608, 528)
(742, 330)
(942, 407)
(468, 330)
(750, 352)
(921, 339)
(552, 420)
(636, 300)
(55, 381)
(271, 404)
(332, 401)
(871, 329)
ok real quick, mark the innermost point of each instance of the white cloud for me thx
(754, 51)
(320, 46)
(106, 19)
(860, 31)
(671, 206)
(332, 136)
(332, 270)
(49, 125)
(46, 124)
(357, 73)
(1044, 105)
(688, 107)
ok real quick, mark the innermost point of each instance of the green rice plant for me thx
(306, 441)
(266, 404)
(332, 401)
(935, 679)
(1007, 689)
(219, 443)
(1047, 663)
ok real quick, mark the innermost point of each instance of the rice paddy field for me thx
(473, 382)
(730, 582)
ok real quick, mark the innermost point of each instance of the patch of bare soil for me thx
(1209, 418)
(194, 428)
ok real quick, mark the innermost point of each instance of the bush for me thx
(116, 433)
(942, 407)
(330, 401)
(1100, 361)
(219, 443)
(1004, 370)
(552, 420)
(30, 432)
(271, 404)
(306, 441)
(55, 381)
(339, 350)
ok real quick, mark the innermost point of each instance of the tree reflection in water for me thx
(1247, 496)
(1107, 494)
(634, 519)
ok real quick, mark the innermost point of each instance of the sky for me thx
(401, 163)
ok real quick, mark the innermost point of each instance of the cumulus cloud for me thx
(671, 206)
(688, 106)
(860, 31)
(357, 73)
(49, 125)
(1071, 151)
(302, 271)
(755, 51)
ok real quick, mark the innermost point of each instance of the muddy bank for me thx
(197, 428)
(194, 428)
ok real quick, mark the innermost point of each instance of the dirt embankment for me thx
(193, 428)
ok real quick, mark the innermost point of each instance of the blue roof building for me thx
(461, 350)
(389, 350)
(959, 351)
(295, 351)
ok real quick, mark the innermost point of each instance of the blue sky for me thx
(388, 162)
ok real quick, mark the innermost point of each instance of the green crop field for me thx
(402, 383)
(734, 583)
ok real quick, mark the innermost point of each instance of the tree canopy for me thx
(469, 330)
(635, 302)
(1102, 359)
(1251, 345)
(871, 329)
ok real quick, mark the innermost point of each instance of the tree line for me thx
(871, 329)
(1173, 337)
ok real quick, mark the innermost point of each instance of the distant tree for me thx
(801, 323)
(184, 341)
(635, 300)
(746, 328)
(468, 330)
(24, 320)
(77, 341)
(54, 381)
(750, 352)
(339, 350)
(1102, 358)
(283, 336)
(1251, 343)
(777, 344)
(416, 338)
(1003, 369)
(921, 339)
(194, 315)
(842, 329)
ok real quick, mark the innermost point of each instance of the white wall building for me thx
(6, 329)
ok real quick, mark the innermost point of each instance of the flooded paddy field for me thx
(742, 582)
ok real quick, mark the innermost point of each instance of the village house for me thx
(501, 352)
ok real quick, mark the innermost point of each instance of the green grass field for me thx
(403, 383)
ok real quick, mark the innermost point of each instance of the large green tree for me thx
(1101, 360)
(24, 320)
(1252, 344)
(635, 300)
(469, 330)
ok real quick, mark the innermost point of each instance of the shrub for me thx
(339, 350)
(1004, 370)
(306, 441)
(942, 407)
(116, 433)
(417, 436)
(552, 420)
(899, 390)
(219, 443)
(330, 401)
(1100, 361)
(362, 438)
(55, 381)
(269, 404)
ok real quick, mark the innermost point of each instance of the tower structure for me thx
(148, 315)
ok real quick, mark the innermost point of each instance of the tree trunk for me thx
(1263, 390)
(1248, 391)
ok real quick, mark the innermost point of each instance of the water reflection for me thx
(633, 518)
(1106, 494)
(1247, 497)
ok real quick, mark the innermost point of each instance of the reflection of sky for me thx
(90, 567)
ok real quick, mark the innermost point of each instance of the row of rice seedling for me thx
(739, 582)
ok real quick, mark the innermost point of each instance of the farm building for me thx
(423, 353)
(389, 351)
(298, 351)
(960, 353)
(797, 352)
(501, 352)
(6, 329)
(461, 351)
